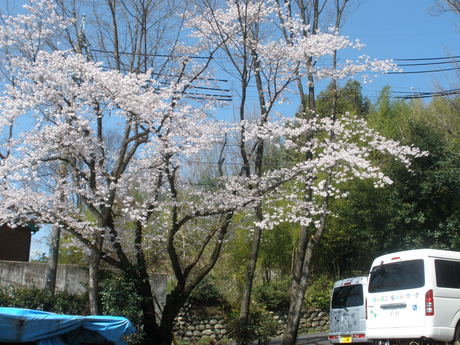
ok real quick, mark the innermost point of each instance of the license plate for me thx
(345, 340)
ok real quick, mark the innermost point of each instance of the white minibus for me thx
(414, 297)
(347, 313)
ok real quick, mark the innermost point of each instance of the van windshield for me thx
(347, 296)
(401, 275)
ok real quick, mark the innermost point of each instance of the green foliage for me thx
(65, 303)
(70, 254)
(274, 257)
(390, 118)
(426, 200)
(363, 228)
(276, 248)
(206, 294)
(443, 113)
(274, 296)
(119, 297)
(350, 99)
(420, 208)
(318, 293)
(32, 299)
(5, 296)
(232, 267)
(261, 326)
(38, 299)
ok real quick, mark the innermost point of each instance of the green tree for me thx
(350, 99)
(420, 209)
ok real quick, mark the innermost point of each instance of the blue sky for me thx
(398, 29)
(402, 29)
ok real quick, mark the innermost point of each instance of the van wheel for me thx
(456, 340)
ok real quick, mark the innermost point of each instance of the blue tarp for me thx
(23, 325)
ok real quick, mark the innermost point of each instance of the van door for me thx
(397, 295)
(347, 314)
(447, 293)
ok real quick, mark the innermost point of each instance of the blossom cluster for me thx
(100, 143)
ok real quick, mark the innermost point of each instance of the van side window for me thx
(447, 273)
(397, 276)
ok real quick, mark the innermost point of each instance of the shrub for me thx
(39, 299)
(73, 304)
(206, 294)
(119, 297)
(274, 296)
(261, 326)
(318, 293)
(5, 296)
(33, 298)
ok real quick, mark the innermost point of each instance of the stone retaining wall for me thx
(193, 325)
(310, 321)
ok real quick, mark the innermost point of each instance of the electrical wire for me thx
(428, 63)
(424, 61)
(152, 55)
(417, 95)
(429, 58)
(426, 71)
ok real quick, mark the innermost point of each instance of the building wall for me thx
(14, 243)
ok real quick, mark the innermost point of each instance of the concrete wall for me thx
(70, 278)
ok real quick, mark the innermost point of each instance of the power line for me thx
(417, 95)
(209, 97)
(152, 55)
(427, 63)
(175, 76)
(426, 71)
(429, 58)
(165, 75)
(226, 95)
(199, 87)
(423, 92)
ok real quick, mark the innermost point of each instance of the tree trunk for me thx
(307, 243)
(51, 266)
(297, 297)
(172, 308)
(258, 167)
(94, 259)
(149, 314)
(249, 277)
(296, 293)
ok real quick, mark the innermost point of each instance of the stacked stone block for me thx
(193, 325)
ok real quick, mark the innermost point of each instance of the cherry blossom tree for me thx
(129, 36)
(106, 155)
(277, 61)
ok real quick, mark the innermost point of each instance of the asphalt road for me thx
(306, 339)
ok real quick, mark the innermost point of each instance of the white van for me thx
(347, 313)
(414, 296)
